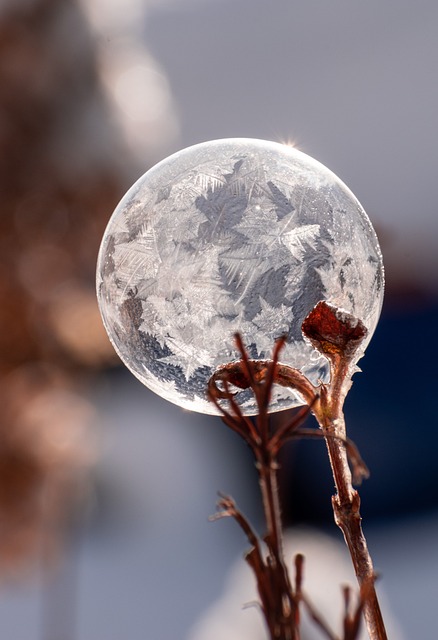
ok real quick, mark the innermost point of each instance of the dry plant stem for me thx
(346, 505)
(283, 611)
(338, 336)
(279, 603)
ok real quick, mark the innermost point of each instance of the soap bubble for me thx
(225, 236)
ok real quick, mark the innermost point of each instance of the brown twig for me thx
(338, 336)
(228, 508)
(278, 600)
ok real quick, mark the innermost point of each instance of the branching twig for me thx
(338, 336)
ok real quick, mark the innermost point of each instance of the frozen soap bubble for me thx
(232, 235)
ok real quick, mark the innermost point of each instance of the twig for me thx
(338, 336)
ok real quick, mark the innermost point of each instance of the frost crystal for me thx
(232, 235)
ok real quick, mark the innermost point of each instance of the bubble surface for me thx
(232, 235)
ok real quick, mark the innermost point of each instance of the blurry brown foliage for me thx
(45, 452)
(60, 177)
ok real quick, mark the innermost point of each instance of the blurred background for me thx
(105, 490)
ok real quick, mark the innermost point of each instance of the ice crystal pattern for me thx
(225, 236)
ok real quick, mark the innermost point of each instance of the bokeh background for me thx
(105, 489)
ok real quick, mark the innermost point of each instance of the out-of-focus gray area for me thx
(111, 88)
